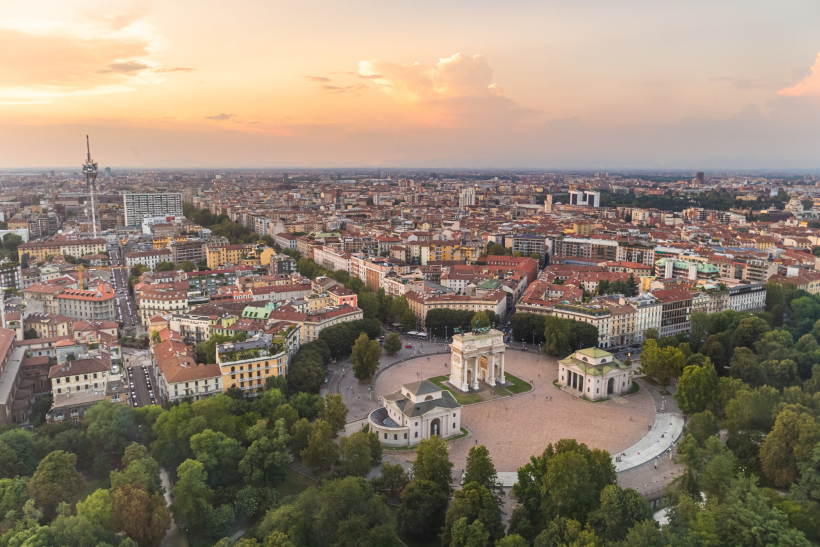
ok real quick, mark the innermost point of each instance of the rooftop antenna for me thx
(90, 171)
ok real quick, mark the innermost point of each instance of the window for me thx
(395, 437)
(454, 425)
(417, 434)
(385, 436)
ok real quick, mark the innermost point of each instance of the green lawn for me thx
(462, 398)
(517, 385)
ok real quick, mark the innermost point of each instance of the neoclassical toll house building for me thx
(594, 374)
(477, 357)
(416, 412)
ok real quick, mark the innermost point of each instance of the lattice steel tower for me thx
(90, 171)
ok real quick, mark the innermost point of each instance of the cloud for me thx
(125, 67)
(222, 116)
(458, 75)
(318, 78)
(55, 56)
(174, 69)
(743, 83)
(808, 86)
(342, 88)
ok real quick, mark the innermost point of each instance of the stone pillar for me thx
(475, 373)
(491, 368)
(501, 370)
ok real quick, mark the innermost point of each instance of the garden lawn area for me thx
(516, 385)
(462, 398)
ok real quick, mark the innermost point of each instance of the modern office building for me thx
(138, 206)
(585, 198)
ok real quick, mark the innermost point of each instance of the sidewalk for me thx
(660, 438)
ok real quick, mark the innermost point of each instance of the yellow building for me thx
(247, 365)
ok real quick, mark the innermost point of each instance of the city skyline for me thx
(483, 85)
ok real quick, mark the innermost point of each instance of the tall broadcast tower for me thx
(90, 170)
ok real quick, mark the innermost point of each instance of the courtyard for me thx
(515, 427)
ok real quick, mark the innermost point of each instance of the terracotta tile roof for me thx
(79, 366)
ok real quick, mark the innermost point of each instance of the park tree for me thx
(422, 507)
(566, 531)
(365, 357)
(392, 343)
(749, 331)
(697, 388)
(620, 510)
(143, 517)
(557, 337)
(267, 458)
(746, 517)
(699, 330)
(368, 302)
(566, 480)
(433, 463)
(465, 533)
(321, 452)
(391, 481)
(139, 470)
(308, 405)
(334, 412)
(110, 428)
(187, 266)
(745, 365)
(220, 454)
(512, 540)
(475, 503)
(407, 320)
(18, 453)
(98, 507)
(790, 442)
(480, 468)
(702, 425)
(355, 457)
(662, 364)
(343, 512)
(55, 480)
(192, 496)
(645, 534)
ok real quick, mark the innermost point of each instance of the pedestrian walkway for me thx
(662, 435)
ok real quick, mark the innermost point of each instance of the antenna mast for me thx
(90, 171)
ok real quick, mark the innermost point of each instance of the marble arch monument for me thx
(477, 357)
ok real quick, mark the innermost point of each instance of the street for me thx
(139, 376)
(126, 308)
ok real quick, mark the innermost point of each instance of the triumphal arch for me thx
(477, 357)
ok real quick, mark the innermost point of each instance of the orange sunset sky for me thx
(583, 84)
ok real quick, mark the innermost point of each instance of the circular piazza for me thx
(515, 427)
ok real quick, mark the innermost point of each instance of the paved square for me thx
(515, 428)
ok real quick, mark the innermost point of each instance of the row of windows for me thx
(76, 378)
(86, 387)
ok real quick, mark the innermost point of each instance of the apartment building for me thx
(138, 206)
(421, 303)
(149, 259)
(97, 304)
(180, 377)
(247, 365)
(675, 311)
(41, 250)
